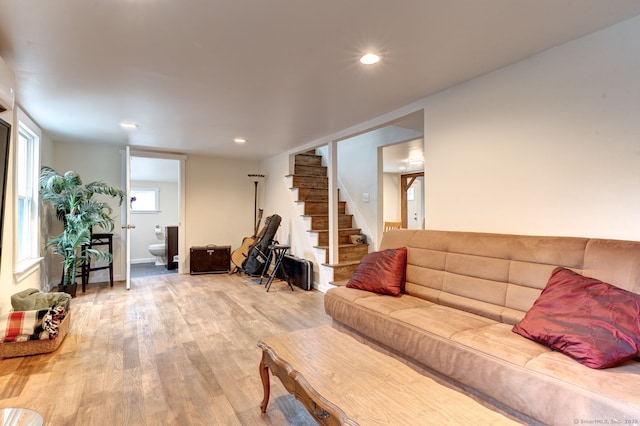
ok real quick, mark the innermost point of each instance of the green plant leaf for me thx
(79, 212)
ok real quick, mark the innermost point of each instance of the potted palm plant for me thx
(79, 211)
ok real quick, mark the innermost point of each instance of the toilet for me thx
(158, 250)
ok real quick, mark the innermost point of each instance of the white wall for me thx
(93, 162)
(358, 171)
(391, 200)
(219, 201)
(550, 145)
(46, 157)
(547, 146)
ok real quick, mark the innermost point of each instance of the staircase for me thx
(311, 184)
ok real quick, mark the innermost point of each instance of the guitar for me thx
(240, 254)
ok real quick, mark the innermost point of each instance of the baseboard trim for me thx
(143, 260)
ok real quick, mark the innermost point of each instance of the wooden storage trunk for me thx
(210, 259)
(35, 347)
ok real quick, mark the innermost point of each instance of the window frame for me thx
(154, 190)
(26, 128)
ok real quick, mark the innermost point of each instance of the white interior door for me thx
(415, 204)
(126, 225)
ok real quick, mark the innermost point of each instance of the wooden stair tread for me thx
(312, 201)
(325, 190)
(340, 246)
(339, 283)
(357, 230)
(324, 214)
(345, 263)
(310, 176)
(317, 201)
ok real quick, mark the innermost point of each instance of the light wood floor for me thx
(173, 350)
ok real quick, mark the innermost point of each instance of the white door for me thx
(415, 204)
(126, 224)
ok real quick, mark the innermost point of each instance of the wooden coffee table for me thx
(341, 381)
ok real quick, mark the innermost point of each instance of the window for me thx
(27, 167)
(411, 193)
(144, 200)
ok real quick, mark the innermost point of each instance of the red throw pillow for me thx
(381, 272)
(593, 322)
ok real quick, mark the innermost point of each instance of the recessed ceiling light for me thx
(129, 125)
(239, 140)
(370, 59)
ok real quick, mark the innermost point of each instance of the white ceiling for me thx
(195, 74)
(402, 157)
(154, 169)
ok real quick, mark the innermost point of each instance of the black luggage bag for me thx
(299, 272)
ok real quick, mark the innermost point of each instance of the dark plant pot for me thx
(69, 289)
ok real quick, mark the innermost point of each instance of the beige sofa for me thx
(463, 294)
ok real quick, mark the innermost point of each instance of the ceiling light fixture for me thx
(239, 140)
(370, 59)
(129, 125)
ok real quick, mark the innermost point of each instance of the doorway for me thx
(155, 209)
(370, 185)
(154, 213)
(403, 183)
(412, 200)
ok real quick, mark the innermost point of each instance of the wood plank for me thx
(375, 390)
(175, 349)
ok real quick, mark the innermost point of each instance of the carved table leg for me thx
(264, 375)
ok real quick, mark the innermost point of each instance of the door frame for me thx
(130, 152)
(406, 180)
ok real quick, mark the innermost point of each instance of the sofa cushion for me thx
(387, 305)
(591, 321)
(498, 340)
(441, 320)
(381, 272)
(614, 382)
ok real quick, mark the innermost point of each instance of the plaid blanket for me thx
(42, 324)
